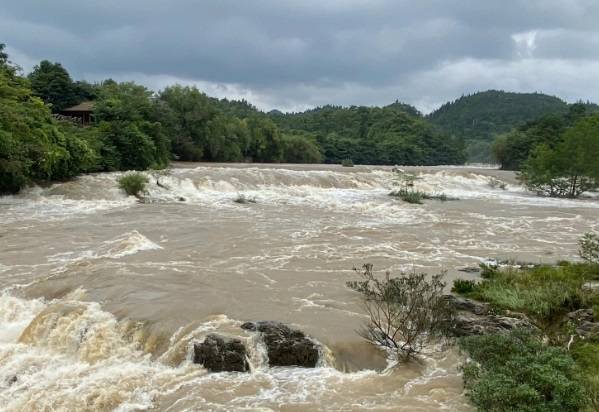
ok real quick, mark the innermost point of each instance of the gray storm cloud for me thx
(297, 54)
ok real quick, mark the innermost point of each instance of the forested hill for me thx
(394, 134)
(483, 115)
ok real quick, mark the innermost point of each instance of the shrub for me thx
(589, 247)
(134, 184)
(517, 372)
(488, 271)
(347, 163)
(406, 312)
(409, 196)
(463, 286)
(416, 197)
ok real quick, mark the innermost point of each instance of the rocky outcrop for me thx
(285, 346)
(475, 318)
(584, 322)
(221, 353)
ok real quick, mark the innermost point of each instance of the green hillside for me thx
(394, 134)
(479, 117)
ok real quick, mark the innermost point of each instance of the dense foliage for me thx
(568, 166)
(53, 84)
(394, 134)
(32, 144)
(512, 149)
(126, 125)
(517, 372)
(480, 117)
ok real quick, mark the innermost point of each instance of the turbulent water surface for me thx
(102, 296)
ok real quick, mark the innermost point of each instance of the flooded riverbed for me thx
(102, 296)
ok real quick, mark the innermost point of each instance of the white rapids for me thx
(102, 296)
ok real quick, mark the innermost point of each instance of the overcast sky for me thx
(292, 55)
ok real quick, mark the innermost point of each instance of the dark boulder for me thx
(285, 346)
(221, 354)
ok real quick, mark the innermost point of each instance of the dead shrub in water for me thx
(406, 312)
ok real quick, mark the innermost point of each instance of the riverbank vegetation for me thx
(529, 333)
(556, 154)
(555, 368)
(133, 128)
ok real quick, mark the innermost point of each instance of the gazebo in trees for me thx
(83, 111)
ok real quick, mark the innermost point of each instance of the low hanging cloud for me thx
(294, 55)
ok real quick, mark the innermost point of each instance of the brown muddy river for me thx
(102, 297)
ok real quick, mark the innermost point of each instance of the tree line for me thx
(556, 155)
(480, 117)
(135, 128)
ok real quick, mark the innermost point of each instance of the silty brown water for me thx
(102, 295)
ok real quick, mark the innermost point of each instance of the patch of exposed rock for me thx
(585, 323)
(475, 318)
(285, 346)
(219, 353)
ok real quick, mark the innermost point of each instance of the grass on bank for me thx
(134, 184)
(544, 292)
(554, 371)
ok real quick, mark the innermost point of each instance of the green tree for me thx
(127, 123)
(53, 84)
(570, 168)
(266, 144)
(300, 148)
(33, 146)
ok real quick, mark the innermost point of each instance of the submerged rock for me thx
(474, 318)
(285, 346)
(221, 353)
(12, 379)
